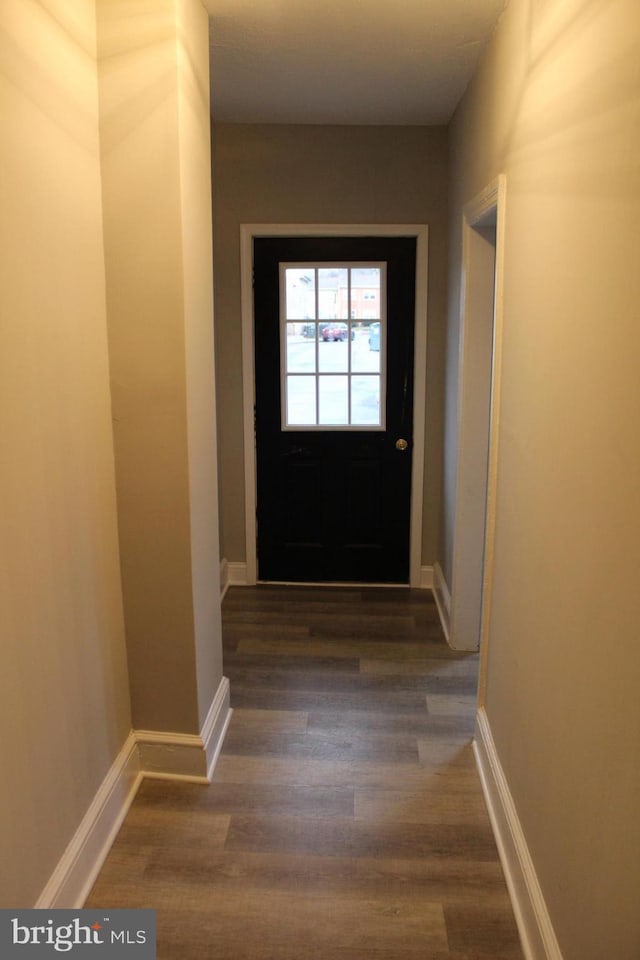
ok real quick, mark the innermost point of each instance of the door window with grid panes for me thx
(333, 346)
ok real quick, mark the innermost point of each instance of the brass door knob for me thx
(401, 444)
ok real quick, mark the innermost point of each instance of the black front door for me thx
(334, 322)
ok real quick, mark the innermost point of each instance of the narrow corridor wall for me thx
(64, 696)
(555, 105)
(155, 148)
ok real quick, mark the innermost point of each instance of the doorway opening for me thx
(478, 412)
(354, 338)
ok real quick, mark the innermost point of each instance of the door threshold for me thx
(330, 583)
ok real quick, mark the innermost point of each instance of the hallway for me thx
(346, 818)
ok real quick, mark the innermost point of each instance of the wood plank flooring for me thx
(346, 819)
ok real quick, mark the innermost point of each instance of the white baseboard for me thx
(232, 574)
(536, 931)
(172, 756)
(146, 753)
(186, 756)
(224, 578)
(215, 726)
(442, 598)
(237, 574)
(71, 881)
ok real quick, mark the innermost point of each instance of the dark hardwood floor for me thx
(345, 820)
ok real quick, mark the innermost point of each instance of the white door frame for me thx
(249, 231)
(478, 423)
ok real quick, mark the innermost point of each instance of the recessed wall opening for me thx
(480, 344)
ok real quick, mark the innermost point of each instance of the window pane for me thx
(333, 349)
(334, 401)
(301, 401)
(333, 293)
(365, 401)
(300, 290)
(365, 350)
(365, 293)
(301, 348)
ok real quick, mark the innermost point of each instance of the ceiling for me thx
(344, 61)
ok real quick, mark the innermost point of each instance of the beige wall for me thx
(194, 132)
(298, 174)
(64, 701)
(156, 189)
(556, 106)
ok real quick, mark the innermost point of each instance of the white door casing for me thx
(247, 234)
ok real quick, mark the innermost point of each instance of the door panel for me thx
(334, 504)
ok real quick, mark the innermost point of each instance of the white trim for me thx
(534, 924)
(247, 233)
(473, 560)
(171, 757)
(75, 874)
(166, 755)
(238, 579)
(146, 753)
(443, 598)
(239, 575)
(232, 574)
(248, 398)
(224, 578)
(215, 725)
(499, 188)
(419, 404)
(241, 581)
